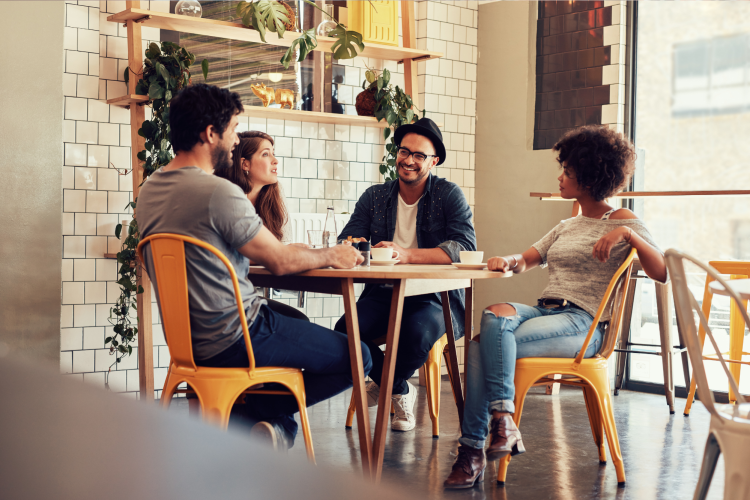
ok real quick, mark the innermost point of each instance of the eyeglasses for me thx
(420, 158)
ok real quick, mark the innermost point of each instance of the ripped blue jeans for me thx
(533, 332)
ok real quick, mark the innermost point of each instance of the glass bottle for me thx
(190, 8)
(327, 24)
(330, 231)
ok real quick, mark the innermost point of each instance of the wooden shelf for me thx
(126, 100)
(279, 114)
(651, 194)
(235, 31)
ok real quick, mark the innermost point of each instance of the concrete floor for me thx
(662, 452)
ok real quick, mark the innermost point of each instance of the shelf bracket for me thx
(415, 59)
(139, 20)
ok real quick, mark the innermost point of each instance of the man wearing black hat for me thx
(428, 221)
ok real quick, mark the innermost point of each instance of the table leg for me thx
(468, 323)
(627, 317)
(358, 376)
(455, 381)
(665, 323)
(386, 381)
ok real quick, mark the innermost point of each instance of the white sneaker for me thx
(373, 394)
(272, 434)
(403, 405)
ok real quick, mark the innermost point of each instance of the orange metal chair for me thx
(432, 383)
(216, 388)
(591, 374)
(735, 270)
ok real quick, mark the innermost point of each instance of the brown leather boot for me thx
(506, 438)
(468, 469)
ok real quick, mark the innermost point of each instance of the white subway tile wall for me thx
(321, 165)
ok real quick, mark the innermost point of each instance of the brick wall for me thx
(319, 165)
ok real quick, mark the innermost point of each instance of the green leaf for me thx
(346, 44)
(274, 15)
(118, 230)
(386, 133)
(409, 115)
(107, 340)
(306, 43)
(155, 91)
(126, 75)
(386, 77)
(204, 67)
(390, 117)
(370, 76)
(162, 71)
(380, 83)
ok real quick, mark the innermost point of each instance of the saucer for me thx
(477, 267)
(384, 262)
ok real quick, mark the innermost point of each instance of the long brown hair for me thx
(269, 205)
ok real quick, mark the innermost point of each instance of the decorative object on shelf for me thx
(377, 20)
(275, 77)
(190, 8)
(165, 72)
(326, 25)
(365, 103)
(273, 16)
(282, 97)
(393, 104)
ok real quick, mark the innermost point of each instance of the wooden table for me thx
(407, 280)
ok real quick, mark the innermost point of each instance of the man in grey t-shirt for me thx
(185, 198)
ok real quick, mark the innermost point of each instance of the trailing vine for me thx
(166, 70)
(397, 108)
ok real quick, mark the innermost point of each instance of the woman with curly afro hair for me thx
(582, 254)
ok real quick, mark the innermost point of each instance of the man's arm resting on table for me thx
(280, 259)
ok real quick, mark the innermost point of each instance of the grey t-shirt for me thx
(574, 273)
(190, 202)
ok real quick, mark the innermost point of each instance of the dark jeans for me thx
(422, 325)
(282, 341)
(286, 310)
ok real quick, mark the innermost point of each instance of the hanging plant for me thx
(166, 70)
(394, 106)
(274, 16)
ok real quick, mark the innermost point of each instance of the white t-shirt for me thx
(406, 224)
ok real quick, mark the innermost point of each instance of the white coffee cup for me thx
(471, 257)
(383, 254)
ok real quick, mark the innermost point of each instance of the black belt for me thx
(556, 303)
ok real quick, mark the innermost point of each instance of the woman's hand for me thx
(498, 264)
(605, 244)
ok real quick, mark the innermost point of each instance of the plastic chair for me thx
(729, 431)
(216, 388)
(590, 373)
(432, 383)
(735, 270)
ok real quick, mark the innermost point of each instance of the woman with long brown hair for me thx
(254, 170)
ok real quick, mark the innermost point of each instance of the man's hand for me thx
(403, 254)
(605, 244)
(344, 257)
(498, 264)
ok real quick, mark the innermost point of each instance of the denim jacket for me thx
(443, 221)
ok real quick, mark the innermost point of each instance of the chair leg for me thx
(600, 384)
(306, 433)
(710, 457)
(665, 324)
(595, 419)
(350, 413)
(622, 357)
(446, 356)
(432, 384)
(523, 384)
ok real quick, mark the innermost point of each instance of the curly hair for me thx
(270, 203)
(196, 107)
(602, 159)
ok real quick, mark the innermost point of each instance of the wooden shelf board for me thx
(126, 100)
(279, 114)
(235, 31)
(110, 255)
(652, 194)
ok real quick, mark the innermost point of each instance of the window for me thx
(712, 76)
(692, 123)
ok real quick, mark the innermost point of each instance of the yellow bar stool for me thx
(735, 270)
(216, 388)
(591, 374)
(432, 368)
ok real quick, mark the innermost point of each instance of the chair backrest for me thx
(614, 299)
(168, 256)
(685, 307)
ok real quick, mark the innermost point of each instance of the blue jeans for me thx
(283, 341)
(533, 332)
(422, 324)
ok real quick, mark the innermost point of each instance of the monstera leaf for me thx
(346, 44)
(306, 43)
(264, 15)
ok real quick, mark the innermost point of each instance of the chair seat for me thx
(235, 373)
(730, 411)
